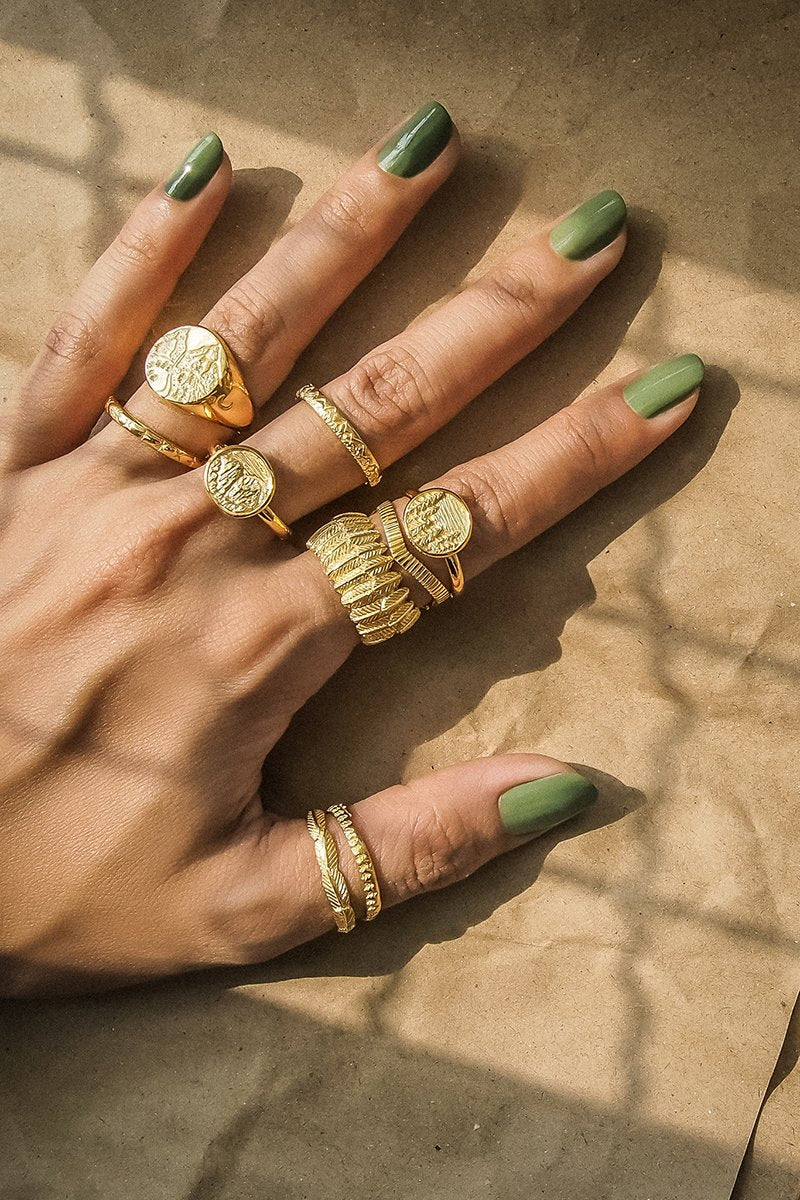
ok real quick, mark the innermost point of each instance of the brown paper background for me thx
(600, 1014)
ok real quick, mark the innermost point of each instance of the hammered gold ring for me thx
(193, 368)
(241, 482)
(339, 425)
(150, 437)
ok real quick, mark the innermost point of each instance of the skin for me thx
(152, 650)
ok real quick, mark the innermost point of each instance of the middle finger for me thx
(405, 389)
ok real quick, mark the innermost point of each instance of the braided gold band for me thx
(333, 881)
(360, 568)
(364, 863)
(339, 425)
(156, 441)
(405, 559)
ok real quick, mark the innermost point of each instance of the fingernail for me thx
(200, 165)
(421, 140)
(671, 381)
(591, 227)
(537, 806)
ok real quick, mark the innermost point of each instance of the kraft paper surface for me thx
(600, 1013)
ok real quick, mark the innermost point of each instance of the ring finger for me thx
(273, 311)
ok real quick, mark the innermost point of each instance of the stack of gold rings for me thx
(192, 368)
(368, 571)
(334, 883)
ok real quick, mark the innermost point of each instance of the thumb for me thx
(266, 893)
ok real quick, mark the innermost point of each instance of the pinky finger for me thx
(91, 345)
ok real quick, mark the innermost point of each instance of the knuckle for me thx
(251, 319)
(75, 338)
(516, 290)
(137, 246)
(390, 389)
(585, 444)
(344, 214)
(441, 854)
(493, 510)
(134, 564)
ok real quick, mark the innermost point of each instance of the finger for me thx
(263, 892)
(518, 491)
(90, 346)
(402, 391)
(274, 311)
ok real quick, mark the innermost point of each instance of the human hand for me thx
(154, 650)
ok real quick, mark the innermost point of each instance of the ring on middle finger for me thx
(241, 482)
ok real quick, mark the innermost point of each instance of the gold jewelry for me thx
(241, 482)
(356, 561)
(192, 367)
(333, 881)
(437, 522)
(338, 423)
(364, 863)
(156, 441)
(405, 559)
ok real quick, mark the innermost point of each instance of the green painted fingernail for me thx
(591, 227)
(200, 165)
(671, 381)
(421, 140)
(537, 806)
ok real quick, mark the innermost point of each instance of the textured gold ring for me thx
(241, 482)
(364, 864)
(156, 441)
(360, 568)
(437, 522)
(193, 368)
(334, 883)
(339, 425)
(405, 559)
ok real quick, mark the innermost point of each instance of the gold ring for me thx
(156, 441)
(241, 482)
(338, 424)
(193, 368)
(364, 864)
(334, 883)
(360, 568)
(437, 522)
(405, 559)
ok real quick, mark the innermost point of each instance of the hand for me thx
(153, 650)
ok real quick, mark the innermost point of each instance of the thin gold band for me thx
(339, 425)
(405, 559)
(333, 881)
(156, 441)
(364, 863)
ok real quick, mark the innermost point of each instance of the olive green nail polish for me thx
(421, 140)
(671, 381)
(200, 165)
(537, 806)
(591, 227)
